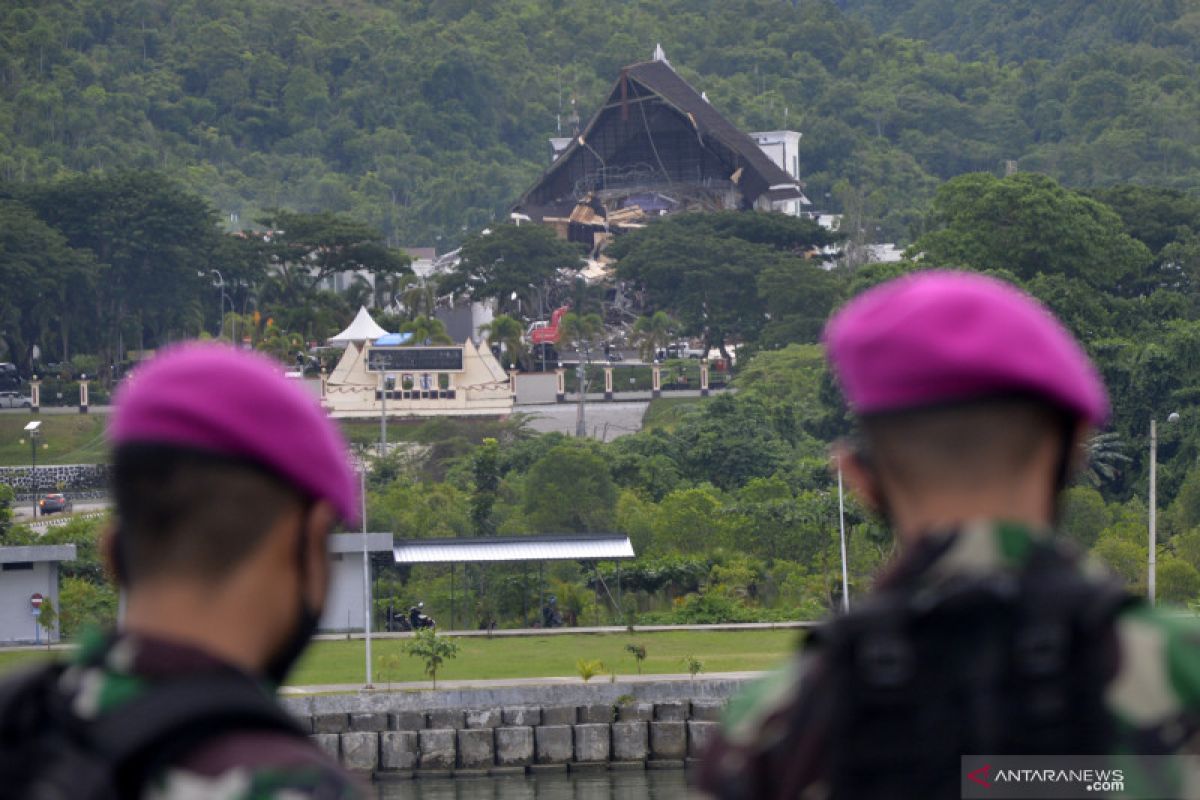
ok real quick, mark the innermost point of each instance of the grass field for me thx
(529, 656)
(65, 439)
(665, 412)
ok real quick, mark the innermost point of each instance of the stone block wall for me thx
(53, 477)
(497, 741)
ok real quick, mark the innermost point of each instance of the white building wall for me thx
(344, 604)
(782, 147)
(17, 623)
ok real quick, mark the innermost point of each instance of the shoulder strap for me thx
(174, 717)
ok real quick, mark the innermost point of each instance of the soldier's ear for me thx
(860, 478)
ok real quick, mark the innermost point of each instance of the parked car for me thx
(54, 503)
(15, 400)
(9, 377)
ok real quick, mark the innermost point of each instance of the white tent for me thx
(362, 329)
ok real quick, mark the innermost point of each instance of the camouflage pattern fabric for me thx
(774, 737)
(250, 765)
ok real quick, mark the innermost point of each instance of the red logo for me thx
(980, 775)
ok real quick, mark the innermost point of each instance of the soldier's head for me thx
(228, 478)
(971, 400)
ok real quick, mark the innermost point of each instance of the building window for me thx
(14, 566)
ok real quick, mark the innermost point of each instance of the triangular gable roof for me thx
(760, 175)
(362, 329)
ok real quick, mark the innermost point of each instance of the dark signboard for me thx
(415, 359)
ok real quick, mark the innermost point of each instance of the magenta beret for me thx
(237, 403)
(938, 337)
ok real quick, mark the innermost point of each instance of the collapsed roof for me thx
(657, 134)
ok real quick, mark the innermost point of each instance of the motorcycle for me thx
(417, 620)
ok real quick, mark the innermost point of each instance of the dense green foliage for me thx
(103, 264)
(427, 119)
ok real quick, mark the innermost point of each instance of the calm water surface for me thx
(651, 785)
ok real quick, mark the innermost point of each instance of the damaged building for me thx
(657, 146)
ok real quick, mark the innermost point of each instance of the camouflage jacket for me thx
(250, 765)
(774, 740)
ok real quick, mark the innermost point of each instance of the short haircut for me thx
(187, 512)
(962, 445)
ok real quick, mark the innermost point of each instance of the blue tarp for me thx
(393, 339)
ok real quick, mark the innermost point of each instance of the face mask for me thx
(282, 662)
(293, 647)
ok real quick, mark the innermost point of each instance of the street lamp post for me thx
(1153, 515)
(362, 473)
(842, 529)
(33, 430)
(220, 284)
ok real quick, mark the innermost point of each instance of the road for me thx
(23, 511)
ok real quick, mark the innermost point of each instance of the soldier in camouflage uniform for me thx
(989, 634)
(227, 480)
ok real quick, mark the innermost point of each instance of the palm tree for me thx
(418, 298)
(653, 334)
(1104, 454)
(506, 331)
(427, 330)
(583, 329)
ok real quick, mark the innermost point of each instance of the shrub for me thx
(588, 669)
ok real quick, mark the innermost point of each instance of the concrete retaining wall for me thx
(53, 477)
(515, 729)
(505, 741)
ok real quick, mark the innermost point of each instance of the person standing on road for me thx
(227, 480)
(990, 635)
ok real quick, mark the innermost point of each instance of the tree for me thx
(583, 330)
(510, 263)
(653, 333)
(85, 604)
(1028, 224)
(427, 331)
(46, 285)
(506, 331)
(152, 242)
(1176, 581)
(47, 619)
(707, 282)
(570, 490)
(485, 468)
(1084, 516)
(432, 649)
(306, 249)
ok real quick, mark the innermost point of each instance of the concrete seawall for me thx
(515, 729)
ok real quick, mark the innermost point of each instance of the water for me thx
(636, 785)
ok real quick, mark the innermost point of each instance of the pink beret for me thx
(937, 337)
(237, 403)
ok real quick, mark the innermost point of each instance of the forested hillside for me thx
(425, 119)
(1023, 30)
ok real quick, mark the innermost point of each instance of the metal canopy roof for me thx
(553, 547)
(353, 542)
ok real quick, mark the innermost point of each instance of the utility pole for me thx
(581, 380)
(362, 472)
(383, 378)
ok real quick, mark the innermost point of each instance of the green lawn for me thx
(552, 656)
(530, 656)
(65, 439)
(665, 412)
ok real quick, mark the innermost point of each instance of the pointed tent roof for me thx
(362, 329)
(748, 166)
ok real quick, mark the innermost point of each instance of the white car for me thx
(15, 400)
